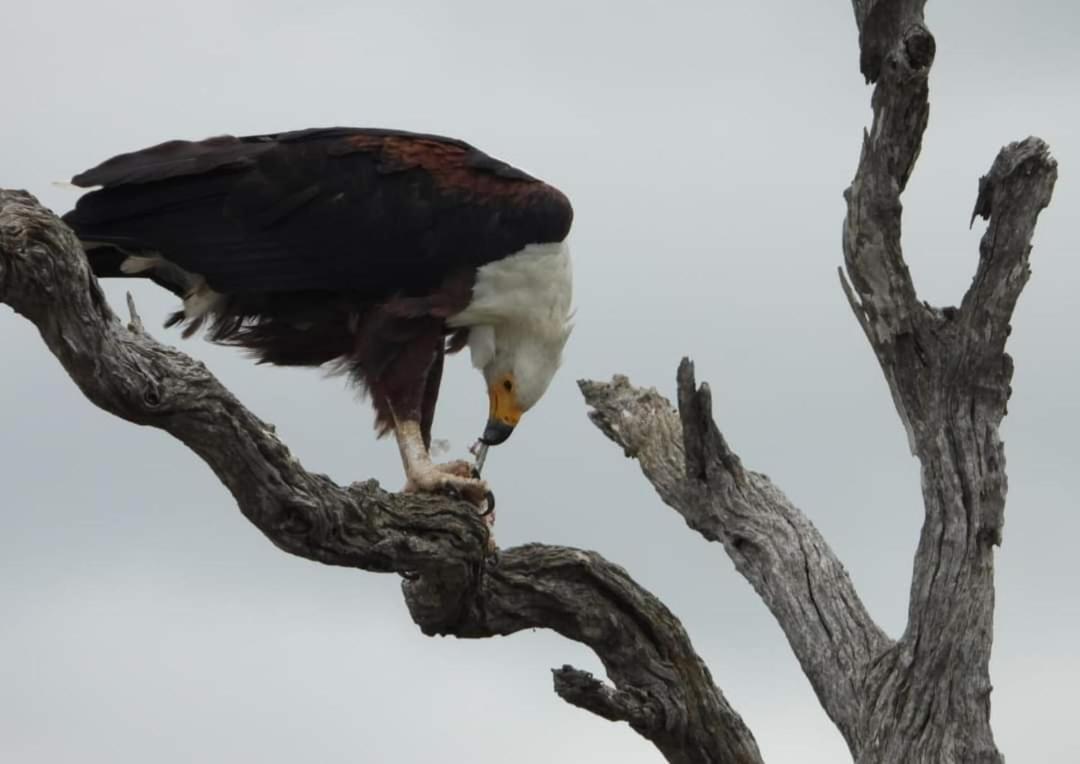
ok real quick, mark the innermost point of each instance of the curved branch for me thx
(1011, 196)
(900, 50)
(773, 545)
(582, 689)
(662, 688)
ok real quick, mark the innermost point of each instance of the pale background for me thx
(705, 146)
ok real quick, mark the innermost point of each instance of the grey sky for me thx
(705, 146)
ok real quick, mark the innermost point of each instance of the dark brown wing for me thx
(354, 209)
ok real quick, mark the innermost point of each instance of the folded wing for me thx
(342, 209)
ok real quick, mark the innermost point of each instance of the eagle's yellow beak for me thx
(503, 412)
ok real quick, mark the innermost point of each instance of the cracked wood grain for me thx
(924, 697)
(928, 697)
(661, 687)
(773, 545)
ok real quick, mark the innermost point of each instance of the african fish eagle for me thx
(373, 251)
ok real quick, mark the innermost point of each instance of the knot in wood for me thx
(919, 46)
(295, 520)
(151, 397)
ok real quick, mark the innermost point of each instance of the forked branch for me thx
(773, 545)
(924, 697)
(950, 378)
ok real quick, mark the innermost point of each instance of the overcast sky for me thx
(705, 146)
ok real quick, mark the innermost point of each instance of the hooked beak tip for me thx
(496, 432)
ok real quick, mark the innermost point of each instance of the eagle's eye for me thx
(508, 386)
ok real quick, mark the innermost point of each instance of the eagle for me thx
(370, 252)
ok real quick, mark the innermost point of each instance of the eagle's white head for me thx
(518, 367)
(519, 320)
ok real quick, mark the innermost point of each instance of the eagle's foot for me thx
(458, 467)
(453, 479)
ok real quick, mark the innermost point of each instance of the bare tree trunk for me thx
(928, 697)
(924, 697)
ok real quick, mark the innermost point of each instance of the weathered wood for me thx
(662, 688)
(928, 697)
(660, 685)
(924, 697)
(773, 545)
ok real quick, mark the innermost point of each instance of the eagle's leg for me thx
(459, 467)
(413, 412)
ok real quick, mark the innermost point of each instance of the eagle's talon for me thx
(475, 492)
(489, 498)
(447, 481)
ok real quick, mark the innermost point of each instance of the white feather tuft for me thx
(134, 264)
(67, 185)
(482, 345)
(532, 288)
(201, 301)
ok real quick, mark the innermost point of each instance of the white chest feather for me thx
(532, 290)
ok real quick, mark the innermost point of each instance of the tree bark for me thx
(773, 545)
(660, 687)
(926, 696)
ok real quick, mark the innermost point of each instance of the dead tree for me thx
(924, 697)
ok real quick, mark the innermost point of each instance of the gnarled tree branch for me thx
(661, 686)
(1011, 196)
(773, 545)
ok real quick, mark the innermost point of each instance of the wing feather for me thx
(351, 209)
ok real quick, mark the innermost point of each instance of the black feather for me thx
(371, 211)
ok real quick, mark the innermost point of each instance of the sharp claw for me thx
(453, 484)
